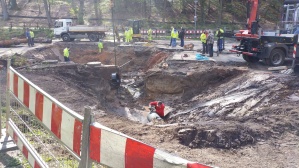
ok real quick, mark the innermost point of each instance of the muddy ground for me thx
(221, 114)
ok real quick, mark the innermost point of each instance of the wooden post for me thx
(7, 91)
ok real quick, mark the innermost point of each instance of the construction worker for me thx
(203, 39)
(66, 54)
(182, 36)
(32, 37)
(156, 110)
(172, 29)
(131, 34)
(100, 45)
(174, 36)
(127, 35)
(149, 34)
(27, 34)
(210, 42)
(219, 35)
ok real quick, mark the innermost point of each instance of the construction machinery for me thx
(273, 50)
(136, 26)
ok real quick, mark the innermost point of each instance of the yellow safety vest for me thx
(175, 34)
(31, 34)
(149, 32)
(217, 33)
(203, 38)
(66, 52)
(100, 45)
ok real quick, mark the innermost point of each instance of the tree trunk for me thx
(202, 12)
(150, 10)
(164, 13)
(209, 6)
(81, 13)
(13, 4)
(48, 13)
(126, 4)
(96, 10)
(144, 7)
(73, 5)
(220, 12)
(4, 10)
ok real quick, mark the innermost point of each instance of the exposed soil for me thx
(221, 114)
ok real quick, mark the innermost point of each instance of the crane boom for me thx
(252, 21)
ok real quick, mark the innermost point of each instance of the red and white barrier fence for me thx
(115, 149)
(164, 31)
(27, 150)
(64, 123)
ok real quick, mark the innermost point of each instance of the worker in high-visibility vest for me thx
(32, 37)
(149, 34)
(127, 35)
(219, 34)
(171, 31)
(100, 46)
(131, 34)
(66, 54)
(203, 39)
(174, 36)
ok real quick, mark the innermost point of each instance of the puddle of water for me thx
(294, 98)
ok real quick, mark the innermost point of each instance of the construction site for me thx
(227, 114)
(226, 111)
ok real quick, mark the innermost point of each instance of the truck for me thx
(273, 50)
(64, 29)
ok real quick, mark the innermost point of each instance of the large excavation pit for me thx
(212, 106)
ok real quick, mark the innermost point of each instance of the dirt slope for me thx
(226, 116)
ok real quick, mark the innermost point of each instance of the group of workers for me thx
(30, 37)
(129, 34)
(207, 38)
(66, 51)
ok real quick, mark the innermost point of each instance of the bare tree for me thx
(4, 10)
(13, 5)
(220, 12)
(81, 12)
(202, 12)
(48, 13)
(96, 10)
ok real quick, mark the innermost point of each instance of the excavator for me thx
(273, 50)
(136, 25)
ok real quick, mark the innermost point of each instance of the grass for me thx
(9, 33)
(3, 117)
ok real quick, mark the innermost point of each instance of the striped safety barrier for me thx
(64, 123)
(115, 149)
(294, 52)
(164, 31)
(33, 158)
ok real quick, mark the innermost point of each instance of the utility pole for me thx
(195, 16)
(113, 27)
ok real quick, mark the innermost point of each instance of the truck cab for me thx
(61, 26)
